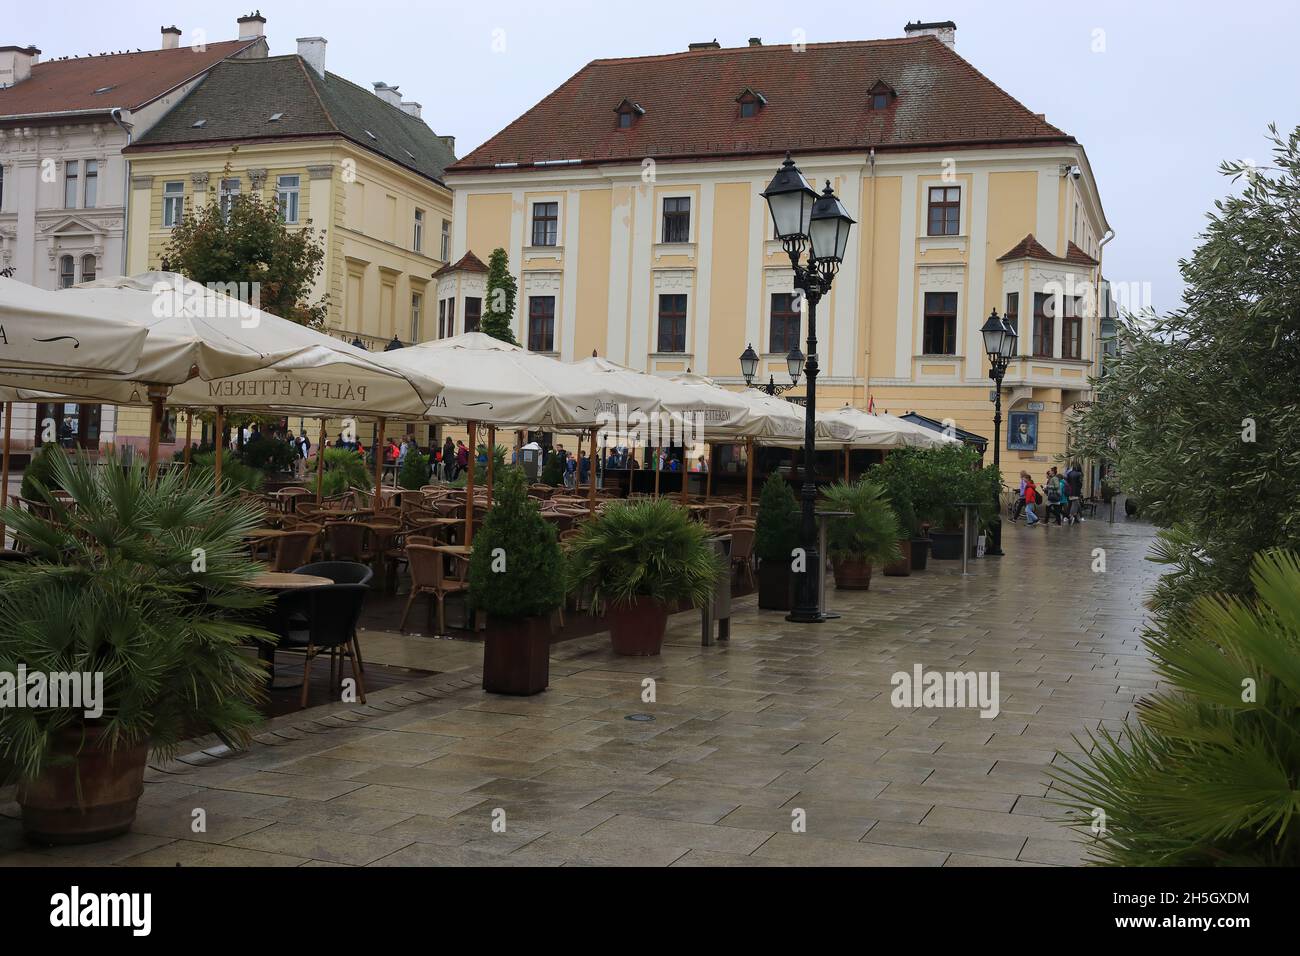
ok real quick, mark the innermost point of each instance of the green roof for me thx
(238, 98)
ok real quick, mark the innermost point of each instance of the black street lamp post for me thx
(820, 224)
(1000, 343)
(749, 368)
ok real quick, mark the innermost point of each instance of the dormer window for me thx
(628, 113)
(881, 96)
(751, 102)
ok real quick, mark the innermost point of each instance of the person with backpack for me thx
(570, 472)
(1031, 498)
(1074, 491)
(1057, 498)
(1020, 498)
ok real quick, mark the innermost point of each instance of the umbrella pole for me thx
(155, 430)
(591, 472)
(708, 475)
(320, 461)
(686, 476)
(4, 470)
(846, 463)
(189, 431)
(491, 462)
(656, 457)
(379, 464)
(749, 471)
(219, 445)
(469, 485)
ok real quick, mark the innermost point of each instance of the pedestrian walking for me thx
(1031, 498)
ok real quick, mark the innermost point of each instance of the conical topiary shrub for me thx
(516, 575)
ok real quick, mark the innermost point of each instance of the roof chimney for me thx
(252, 25)
(755, 41)
(312, 49)
(945, 30)
(411, 108)
(389, 94)
(16, 63)
(450, 143)
(707, 45)
(171, 37)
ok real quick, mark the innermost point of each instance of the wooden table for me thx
(280, 582)
(287, 581)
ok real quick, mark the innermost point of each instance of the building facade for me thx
(629, 204)
(360, 167)
(63, 218)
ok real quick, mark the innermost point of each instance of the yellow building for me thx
(629, 203)
(362, 168)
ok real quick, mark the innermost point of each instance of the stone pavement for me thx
(785, 718)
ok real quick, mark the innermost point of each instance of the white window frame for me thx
(691, 217)
(67, 273)
(94, 267)
(445, 242)
(417, 310)
(90, 185)
(417, 233)
(289, 197)
(71, 175)
(173, 210)
(533, 203)
(226, 197)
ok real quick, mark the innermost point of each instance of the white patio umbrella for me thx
(52, 332)
(495, 384)
(224, 353)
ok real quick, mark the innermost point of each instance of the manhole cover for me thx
(639, 717)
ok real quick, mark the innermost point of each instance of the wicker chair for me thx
(346, 541)
(429, 576)
(742, 551)
(295, 548)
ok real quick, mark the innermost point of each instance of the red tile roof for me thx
(135, 79)
(1077, 256)
(1027, 248)
(816, 102)
(468, 263)
(1030, 248)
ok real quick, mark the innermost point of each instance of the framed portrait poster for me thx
(1022, 431)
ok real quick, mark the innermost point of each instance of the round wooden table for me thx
(282, 581)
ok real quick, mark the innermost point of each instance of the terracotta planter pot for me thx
(637, 629)
(920, 553)
(851, 574)
(901, 568)
(775, 586)
(110, 787)
(945, 545)
(517, 656)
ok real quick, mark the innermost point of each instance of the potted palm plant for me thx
(641, 559)
(776, 535)
(135, 591)
(868, 536)
(951, 475)
(898, 491)
(516, 575)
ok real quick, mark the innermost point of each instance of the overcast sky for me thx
(1158, 92)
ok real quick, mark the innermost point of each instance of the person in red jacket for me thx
(1031, 499)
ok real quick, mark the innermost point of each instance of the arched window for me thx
(67, 272)
(88, 268)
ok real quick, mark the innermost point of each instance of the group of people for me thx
(1061, 493)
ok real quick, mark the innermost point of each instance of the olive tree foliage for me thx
(1200, 412)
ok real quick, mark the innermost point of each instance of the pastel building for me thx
(359, 166)
(64, 122)
(629, 203)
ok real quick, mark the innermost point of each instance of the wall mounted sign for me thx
(1022, 431)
